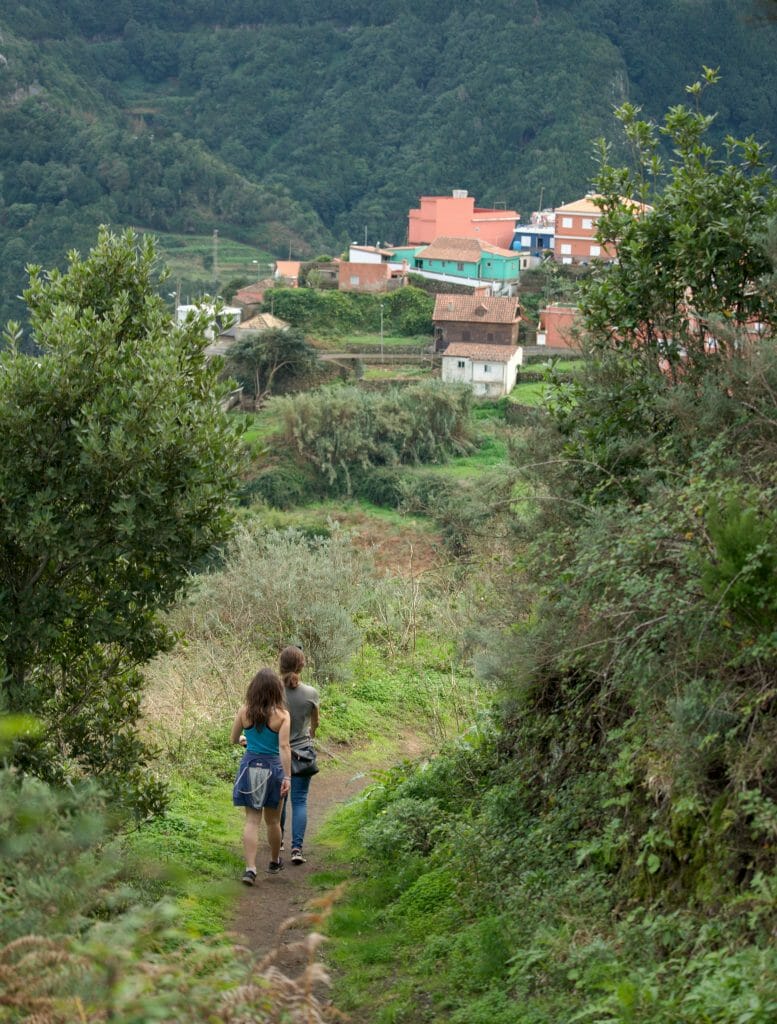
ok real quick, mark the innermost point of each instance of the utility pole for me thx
(381, 332)
(215, 260)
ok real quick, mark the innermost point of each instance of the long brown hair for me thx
(292, 663)
(264, 694)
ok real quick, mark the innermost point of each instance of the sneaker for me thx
(249, 876)
(275, 866)
(283, 845)
(296, 857)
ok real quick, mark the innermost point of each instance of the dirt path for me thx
(263, 908)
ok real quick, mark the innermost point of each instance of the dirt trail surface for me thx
(262, 909)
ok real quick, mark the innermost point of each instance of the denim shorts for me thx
(258, 782)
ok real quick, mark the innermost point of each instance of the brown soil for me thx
(263, 908)
(402, 550)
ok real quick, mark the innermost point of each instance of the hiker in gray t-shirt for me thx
(302, 702)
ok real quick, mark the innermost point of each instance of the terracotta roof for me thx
(461, 250)
(263, 322)
(253, 292)
(288, 268)
(482, 353)
(477, 309)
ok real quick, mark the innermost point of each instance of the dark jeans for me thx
(300, 784)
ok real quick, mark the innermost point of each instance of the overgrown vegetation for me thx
(602, 848)
(116, 474)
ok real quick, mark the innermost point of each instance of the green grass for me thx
(416, 371)
(258, 427)
(193, 852)
(532, 393)
(372, 340)
(491, 453)
(351, 512)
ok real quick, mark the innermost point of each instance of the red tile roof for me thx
(253, 293)
(461, 250)
(482, 353)
(483, 309)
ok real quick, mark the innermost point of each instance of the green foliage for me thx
(346, 431)
(276, 587)
(687, 264)
(406, 311)
(117, 470)
(609, 832)
(78, 944)
(271, 360)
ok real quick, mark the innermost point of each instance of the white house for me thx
(489, 369)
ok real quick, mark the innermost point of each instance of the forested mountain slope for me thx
(302, 125)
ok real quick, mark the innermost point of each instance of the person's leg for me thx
(272, 821)
(300, 784)
(251, 836)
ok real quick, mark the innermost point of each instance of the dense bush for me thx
(280, 587)
(346, 430)
(616, 826)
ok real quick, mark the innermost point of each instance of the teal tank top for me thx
(263, 740)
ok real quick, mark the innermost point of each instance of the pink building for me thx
(456, 216)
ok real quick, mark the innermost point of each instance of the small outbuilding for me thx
(490, 370)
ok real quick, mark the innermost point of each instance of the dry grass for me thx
(37, 974)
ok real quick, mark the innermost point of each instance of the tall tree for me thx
(116, 473)
(268, 358)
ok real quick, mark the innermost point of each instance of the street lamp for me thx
(381, 332)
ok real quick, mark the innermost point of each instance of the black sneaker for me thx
(249, 876)
(296, 857)
(275, 866)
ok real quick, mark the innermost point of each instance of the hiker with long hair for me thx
(302, 702)
(264, 775)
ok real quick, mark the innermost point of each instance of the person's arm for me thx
(284, 748)
(237, 726)
(315, 718)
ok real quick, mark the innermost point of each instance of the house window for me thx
(587, 223)
(419, 263)
(486, 368)
(354, 278)
(566, 249)
(595, 250)
(566, 222)
(490, 336)
(460, 364)
(465, 336)
(459, 266)
(540, 242)
(525, 241)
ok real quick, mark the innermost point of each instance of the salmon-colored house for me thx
(456, 216)
(575, 230)
(558, 327)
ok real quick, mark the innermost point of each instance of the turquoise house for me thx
(464, 260)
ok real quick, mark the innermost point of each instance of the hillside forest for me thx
(293, 130)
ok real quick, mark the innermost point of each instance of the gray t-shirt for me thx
(300, 701)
